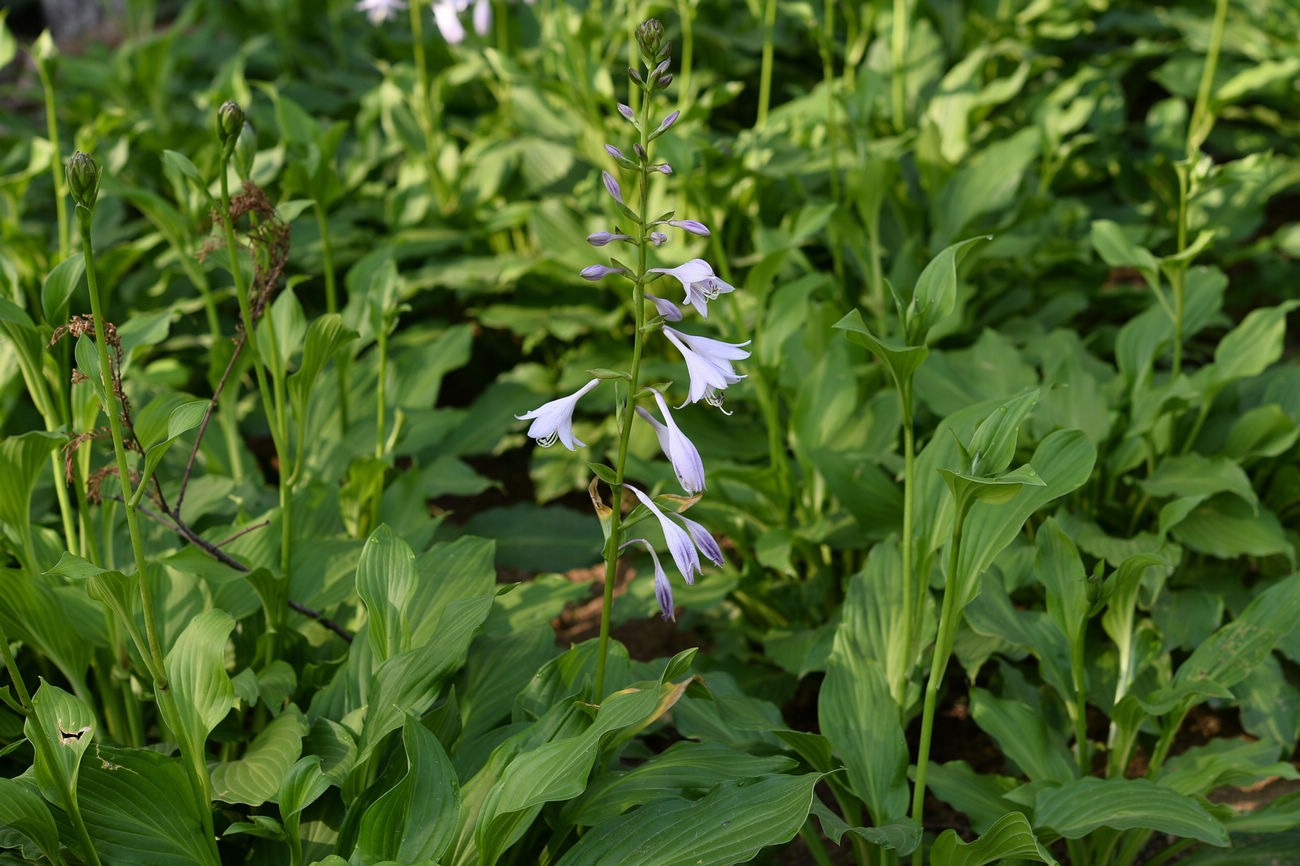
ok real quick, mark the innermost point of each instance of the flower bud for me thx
(230, 121)
(635, 76)
(245, 150)
(664, 82)
(649, 35)
(83, 180)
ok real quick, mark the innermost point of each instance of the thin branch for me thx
(323, 620)
(207, 416)
(243, 531)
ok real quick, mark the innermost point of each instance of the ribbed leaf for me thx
(1024, 736)
(730, 825)
(196, 668)
(1077, 808)
(25, 813)
(325, 336)
(385, 577)
(69, 728)
(139, 809)
(256, 777)
(1233, 651)
(1010, 837)
(415, 820)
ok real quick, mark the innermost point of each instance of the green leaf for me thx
(87, 356)
(902, 361)
(1248, 349)
(196, 670)
(140, 811)
(979, 795)
(1233, 651)
(24, 813)
(857, 714)
(1077, 808)
(1195, 475)
(1024, 735)
(1238, 763)
(902, 835)
(1011, 837)
(935, 294)
(1060, 569)
(994, 442)
(1226, 527)
(728, 826)
(415, 820)
(59, 287)
(181, 164)
(256, 777)
(35, 612)
(325, 337)
(535, 537)
(385, 579)
(182, 419)
(286, 315)
(69, 728)
(1116, 250)
(987, 183)
(21, 460)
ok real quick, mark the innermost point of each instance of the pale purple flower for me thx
(703, 539)
(599, 272)
(611, 186)
(681, 452)
(660, 69)
(658, 238)
(695, 227)
(700, 283)
(663, 589)
(668, 121)
(664, 168)
(379, 11)
(554, 420)
(599, 239)
(709, 363)
(679, 540)
(626, 111)
(666, 308)
(614, 152)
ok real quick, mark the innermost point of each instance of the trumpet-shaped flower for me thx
(554, 420)
(703, 539)
(681, 452)
(679, 540)
(666, 308)
(663, 589)
(599, 239)
(695, 227)
(709, 363)
(379, 11)
(700, 283)
(612, 187)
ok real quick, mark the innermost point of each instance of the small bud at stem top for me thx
(649, 36)
(230, 121)
(83, 180)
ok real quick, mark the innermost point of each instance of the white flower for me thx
(379, 11)
(700, 283)
(703, 539)
(554, 420)
(709, 363)
(681, 452)
(446, 14)
(663, 589)
(679, 541)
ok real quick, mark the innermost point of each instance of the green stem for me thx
(1083, 752)
(381, 395)
(686, 15)
(1200, 111)
(913, 592)
(949, 618)
(765, 73)
(898, 51)
(332, 306)
(628, 413)
(424, 110)
(814, 842)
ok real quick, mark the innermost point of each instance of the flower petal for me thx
(554, 420)
(666, 308)
(612, 187)
(703, 539)
(663, 589)
(678, 540)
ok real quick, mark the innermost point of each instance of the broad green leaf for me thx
(1227, 527)
(1060, 569)
(25, 813)
(1077, 808)
(1265, 431)
(140, 810)
(935, 294)
(59, 287)
(902, 361)
(290, 324)
(26, 339)
(901, 835)
(34, 612)
(256, 777)
(87, 356)
(325, 337)
(1195, 475)
(385, 581)
(1234, 650)
(196, 670)
(180, 163)
(994, 442)
(1025, 737)
(1010, 838)
(684, 769)
(21, 460)
(979, 795)
(68, 725)
(728, 826)
(415, 820)
(1116, 250)
(987, 183)
(1064, 461)
(1238, 763)
(1249, 348)
(301, 786)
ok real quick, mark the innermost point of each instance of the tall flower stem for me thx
(424, 108)
(949, 618)
(56, 160)
(332, 306)
(765, 71)
(913, 590)
(628, 413)
(898, 50)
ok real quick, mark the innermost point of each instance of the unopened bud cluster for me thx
(230, 121)
(83, 180)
